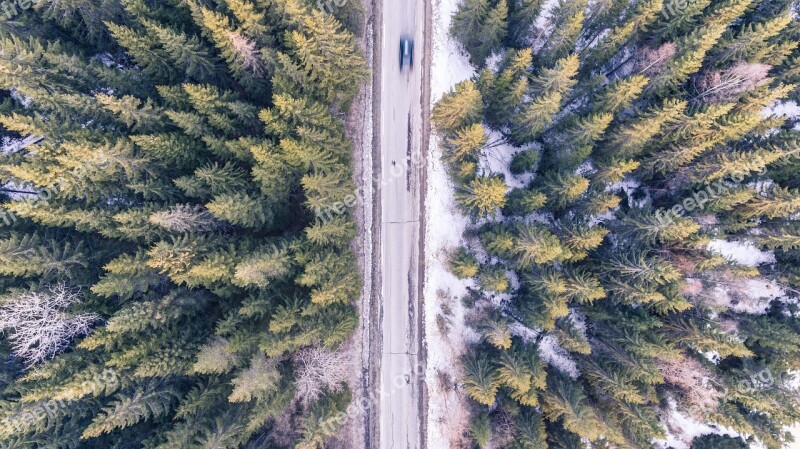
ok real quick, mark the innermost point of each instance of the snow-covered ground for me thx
(743, 253)
(447, 410)
(681, 429)
(496, 158)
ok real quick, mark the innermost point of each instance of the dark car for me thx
(406, 52)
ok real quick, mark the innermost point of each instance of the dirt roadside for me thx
(423, 219)
(360, 429)
(372, 370)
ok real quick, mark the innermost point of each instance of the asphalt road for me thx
(400, 141)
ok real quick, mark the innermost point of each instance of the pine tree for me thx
(481, 430)
(739, 165)
(493, 31)
(467, 25)
(326, 53)
(461, 107)
(536, 245)
(466, 143)
(658, 228)
(751, 42)
(522, 15)
(137, 115)
(144, 50)
(185, 52)
(562, 190)
(508, 88)
(531, 431)
(640, 19)
(536, 117)
(567, 21)
(463, 263)
(147, 402)
(523, 202)
(780, 203)
(493, 278)
(480, 379)
(240, 52)
(629, 140)
(693, 47)
(565, 400)
(524, 161)
(675, 20)
(482, 196)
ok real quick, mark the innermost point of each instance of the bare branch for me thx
(41, 326)
(319, 369)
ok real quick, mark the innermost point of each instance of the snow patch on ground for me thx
(527, 334)
(557, 357)
(450, 63)
(631, 188)
(681, 429)
(789, 109)
(742, 252)
(752, 296)
(496, 158)
(447, 406)
(445, 225)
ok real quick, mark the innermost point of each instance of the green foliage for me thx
(463, 263)
(481, 26)
(524, 161)
(461, 107)
(483, 196)
(718, 442)
(638, 136)
(481, 430)
(180, 152)
(480, 380)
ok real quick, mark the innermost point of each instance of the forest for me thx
(165, 279)
(649, 137)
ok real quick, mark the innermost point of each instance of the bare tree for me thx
(247, 52)
(41, 326)
(696, 381)
(726, 85)
(651, 61)
(318, 369)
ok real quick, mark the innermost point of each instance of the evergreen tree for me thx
(459, 108)
(483, 196)
(480, 380)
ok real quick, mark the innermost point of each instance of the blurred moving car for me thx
(406, 52)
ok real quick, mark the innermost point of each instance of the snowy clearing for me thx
(743, 253)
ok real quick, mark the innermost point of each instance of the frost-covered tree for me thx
(42, 323)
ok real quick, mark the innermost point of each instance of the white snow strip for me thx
(448, 418)
(742, 252)
(557, 357)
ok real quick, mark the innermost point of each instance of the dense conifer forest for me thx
(166, 281)
(643, 139)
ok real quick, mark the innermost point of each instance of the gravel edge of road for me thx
(372, 384)
(424, 149)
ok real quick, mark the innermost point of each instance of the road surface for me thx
(400, 128)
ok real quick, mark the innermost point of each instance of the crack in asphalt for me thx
(391, 416)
